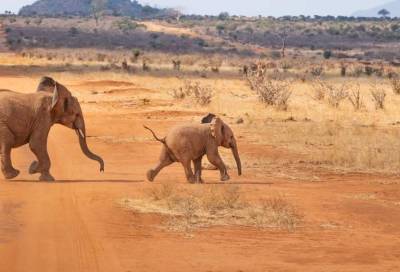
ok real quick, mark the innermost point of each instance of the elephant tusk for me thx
(81, 133)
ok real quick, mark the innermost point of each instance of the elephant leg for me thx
(165, 160)
(214, 158)
(197, 170)
(42, 165)
(187, 165)
(8, 170)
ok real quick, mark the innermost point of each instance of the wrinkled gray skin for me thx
(27, 119)
(190, 142)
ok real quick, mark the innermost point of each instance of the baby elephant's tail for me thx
(155, 136)
(170, 152)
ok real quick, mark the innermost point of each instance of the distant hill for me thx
(84, 8)
(393, 7)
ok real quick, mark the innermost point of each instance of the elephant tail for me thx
(170, 152)
(155, 136)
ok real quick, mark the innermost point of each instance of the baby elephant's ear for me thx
(217, 130)
(208, 118)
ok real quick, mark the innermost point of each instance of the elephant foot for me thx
(33, 169)
(150, 175)
(46, 177)
(191, 180)
(225, 177)
(11, 174)
(199, 180)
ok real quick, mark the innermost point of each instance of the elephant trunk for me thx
(235, 153)
(81, 132)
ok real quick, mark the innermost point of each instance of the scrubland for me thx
(317, 133)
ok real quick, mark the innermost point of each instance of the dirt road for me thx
(352, 222)
(76, 224)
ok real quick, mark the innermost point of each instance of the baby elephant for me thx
(190, 142)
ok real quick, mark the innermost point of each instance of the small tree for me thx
(98, 7)
(283, 36)
(384, 13)
(174, 13)
(223, 16)
(327, 54)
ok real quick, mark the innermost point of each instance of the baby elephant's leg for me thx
(197, 170)
(214, 158)
(164, 161)
(187, 165)
(7, 141)
(8, 170)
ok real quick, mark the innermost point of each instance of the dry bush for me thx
(255, 75)
(231, 196)
(343, 69)
(145, 66)
(217, 205)
(318, 89)
(317, 71)
(335, 94)
(356, 71)
(215, 65)
(202, 95)
(275, 93)
(178, 93)
(176, 64)
(356, 98)
(165, 191)
(272, 92)
(215, 199)
(187, 209)
(395, 83)
(378, 95)
(275, 211)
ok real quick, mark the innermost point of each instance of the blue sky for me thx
(247, 7)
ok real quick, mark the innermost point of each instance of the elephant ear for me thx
(217, 130)
(208, 118)
(55, 98)
(49, 85)
(59, 91)
(46, 84)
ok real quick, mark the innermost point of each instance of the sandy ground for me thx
(351, 222)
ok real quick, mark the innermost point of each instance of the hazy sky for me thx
(247, 7)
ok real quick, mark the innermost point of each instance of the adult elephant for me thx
(28, 118)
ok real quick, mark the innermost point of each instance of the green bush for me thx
(327, 54)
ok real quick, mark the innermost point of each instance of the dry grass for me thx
(378, 94)
(275, 212)
(200, 94)
(217, 206)
(335, 94)
(336, 138)
(318, 90)
(356, 98)
(395, 83)
(157, 193)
